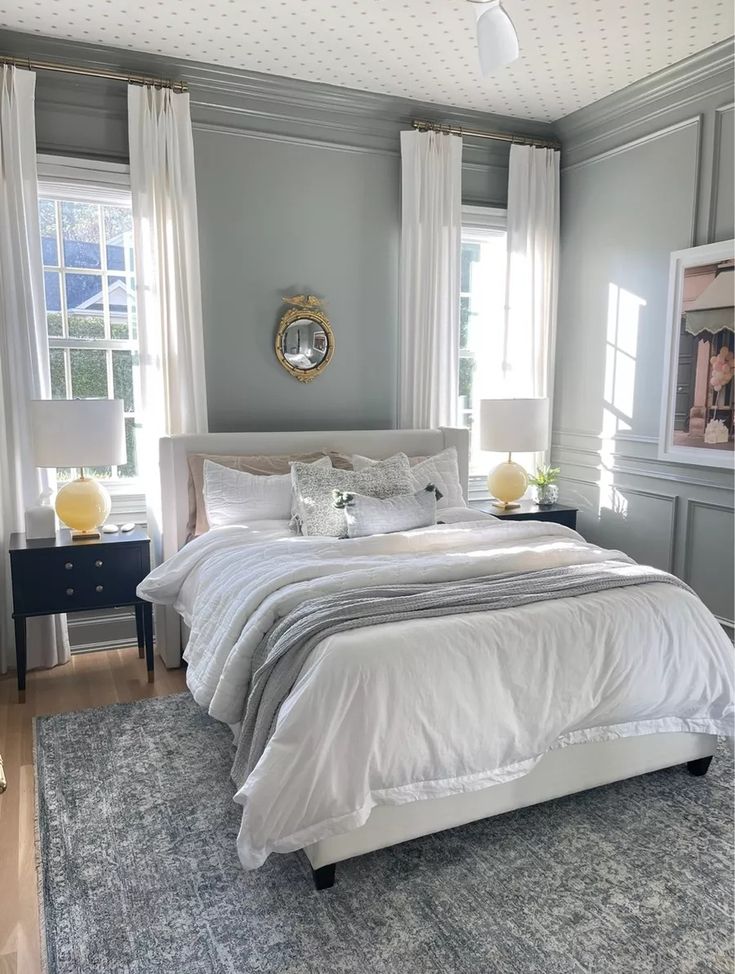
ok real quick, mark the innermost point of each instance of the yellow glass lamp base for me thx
(506, 483)
(83, 505)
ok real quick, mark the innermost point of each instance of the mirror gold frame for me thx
(307, 307)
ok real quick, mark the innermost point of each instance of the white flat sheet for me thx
(422, 709)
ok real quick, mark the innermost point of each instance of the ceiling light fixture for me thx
(497, 41)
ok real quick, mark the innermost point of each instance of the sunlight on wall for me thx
(621, 347)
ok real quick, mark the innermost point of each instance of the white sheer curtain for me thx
(167, 270)
(431, 238)
(532, 272)
(24, 360)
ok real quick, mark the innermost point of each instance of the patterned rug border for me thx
(37, 800)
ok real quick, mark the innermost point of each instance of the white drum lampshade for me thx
(508, 426)
(79, 433)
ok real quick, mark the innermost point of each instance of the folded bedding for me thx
(391, 711)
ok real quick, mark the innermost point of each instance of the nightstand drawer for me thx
(69, 579)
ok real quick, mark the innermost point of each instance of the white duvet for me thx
(427, 708)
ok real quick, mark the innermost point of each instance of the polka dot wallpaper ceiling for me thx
(573, 52)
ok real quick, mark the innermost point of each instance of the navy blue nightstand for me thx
(56, 575)
(530, 511)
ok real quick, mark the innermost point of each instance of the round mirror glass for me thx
(304, 344)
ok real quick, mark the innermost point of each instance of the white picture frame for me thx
(685, 445)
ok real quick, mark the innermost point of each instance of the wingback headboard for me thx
(174, 467)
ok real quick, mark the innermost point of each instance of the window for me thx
(89, 278)
(481, 321)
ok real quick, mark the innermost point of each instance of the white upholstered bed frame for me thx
(560, 772)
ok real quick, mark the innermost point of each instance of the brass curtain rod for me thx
(424, 126)
(31, 64)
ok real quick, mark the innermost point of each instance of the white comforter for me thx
(427, 708)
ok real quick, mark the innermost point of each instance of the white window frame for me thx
(476, 219)
(88, 180)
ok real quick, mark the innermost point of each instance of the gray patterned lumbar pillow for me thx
(375, 515)
(314, 509)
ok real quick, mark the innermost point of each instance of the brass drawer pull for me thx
(70, 591)
(98, 564)
(69, 565)
(99, 588)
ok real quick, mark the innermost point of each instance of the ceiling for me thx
(573, 52)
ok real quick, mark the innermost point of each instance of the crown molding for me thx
(705, 74)
(273, 104)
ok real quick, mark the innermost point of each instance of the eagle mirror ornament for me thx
(304, 339)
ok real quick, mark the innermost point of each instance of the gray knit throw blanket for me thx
(283, 652)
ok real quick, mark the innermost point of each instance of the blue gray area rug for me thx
(139, 873)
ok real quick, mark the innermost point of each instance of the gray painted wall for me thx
(298, 190)
(645, 172)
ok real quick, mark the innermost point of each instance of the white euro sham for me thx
(442, 470)
(236, 497)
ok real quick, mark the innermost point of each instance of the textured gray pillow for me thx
(376, 515)
(314, 508)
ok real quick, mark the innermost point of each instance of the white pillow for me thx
(236, 497)
(375, 515)
(442, 470)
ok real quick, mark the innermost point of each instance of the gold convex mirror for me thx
(304, 340)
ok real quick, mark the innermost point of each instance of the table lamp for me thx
(508, 426)
(79, 433)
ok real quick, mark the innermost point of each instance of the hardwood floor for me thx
(89, 680)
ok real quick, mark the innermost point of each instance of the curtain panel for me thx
(163, 190)
(529, 341)
(431, 238)
(532, 271)
(24, 358)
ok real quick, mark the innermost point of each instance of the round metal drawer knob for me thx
(69, 565)
(70, 591)
(98, 564)
(99, 588)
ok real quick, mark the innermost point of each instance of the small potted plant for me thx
(547, 490)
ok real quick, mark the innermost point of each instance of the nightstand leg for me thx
(140, 630)
(20, 656)
(148, 631)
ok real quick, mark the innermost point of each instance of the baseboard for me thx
(110, 630)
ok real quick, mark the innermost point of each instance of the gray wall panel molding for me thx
(718, 174)
(715, 585)
(701, 78)
(639, 464)
(633, 143)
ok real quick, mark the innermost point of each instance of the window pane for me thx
(52, 290)
(470, 253)
(118, 222)
(464, 322)
(85, 305)
(130, 469)
(88, 373)
(81, 234)
(121, 293)
(122, 378)
(47, 220)
(58, 373)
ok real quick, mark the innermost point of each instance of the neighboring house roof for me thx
(121, 297)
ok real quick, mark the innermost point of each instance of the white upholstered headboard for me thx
(174, 466)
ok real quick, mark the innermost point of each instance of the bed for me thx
(618, 683)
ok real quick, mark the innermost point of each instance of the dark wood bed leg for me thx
(699, 767)
(324, 877)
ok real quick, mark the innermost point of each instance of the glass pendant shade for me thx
(497, 41)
